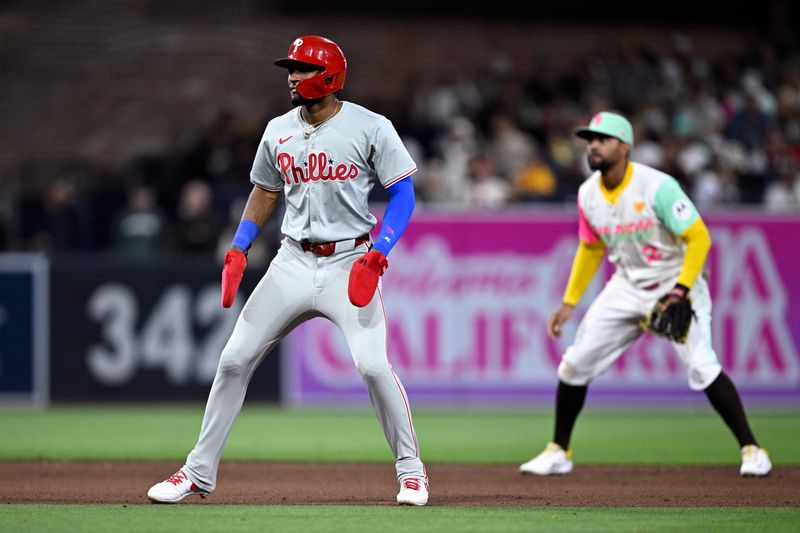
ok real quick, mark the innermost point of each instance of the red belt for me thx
(652, 287)
(328, 248)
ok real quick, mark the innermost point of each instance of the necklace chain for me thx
(312, 127)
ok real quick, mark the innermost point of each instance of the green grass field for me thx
(264, 433)
(268, 433)
(175, 519)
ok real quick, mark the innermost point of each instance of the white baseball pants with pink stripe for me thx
(299, 286)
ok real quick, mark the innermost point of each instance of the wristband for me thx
(245, 234)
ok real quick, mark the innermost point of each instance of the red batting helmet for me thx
(319, 52)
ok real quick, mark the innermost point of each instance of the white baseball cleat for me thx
(553, 460)
(174, 489)
(755, 461)
(413, 491)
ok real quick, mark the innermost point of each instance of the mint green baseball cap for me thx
(610, 124)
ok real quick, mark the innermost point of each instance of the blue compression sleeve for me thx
(245, 234)
(398, 213)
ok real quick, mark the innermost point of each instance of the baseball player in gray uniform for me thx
(325, 155)
(658, 243)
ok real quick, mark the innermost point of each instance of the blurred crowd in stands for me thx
(727, 128)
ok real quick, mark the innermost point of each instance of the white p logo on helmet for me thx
(297, 44)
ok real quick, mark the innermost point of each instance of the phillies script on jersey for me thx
(318, 167)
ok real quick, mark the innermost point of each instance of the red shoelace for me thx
(178, 477)
(411, 483)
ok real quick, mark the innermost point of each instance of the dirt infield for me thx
(373, 484)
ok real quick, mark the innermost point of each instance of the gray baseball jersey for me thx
(327, 172)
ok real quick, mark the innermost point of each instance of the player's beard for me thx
(598, 163)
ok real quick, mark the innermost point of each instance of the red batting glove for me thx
(232, 271)
(364, 277)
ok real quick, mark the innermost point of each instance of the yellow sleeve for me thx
(698, 243)
(587, 260)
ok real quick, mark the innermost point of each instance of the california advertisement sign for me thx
(467, 298)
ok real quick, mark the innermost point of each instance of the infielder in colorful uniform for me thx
(658, 244)
(325, 156)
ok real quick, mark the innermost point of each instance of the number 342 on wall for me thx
(167, 337)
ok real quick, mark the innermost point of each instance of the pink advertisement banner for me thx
(467, 296)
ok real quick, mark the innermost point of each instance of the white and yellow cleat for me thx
(755, 462)
(554, 460)
(413, 491)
